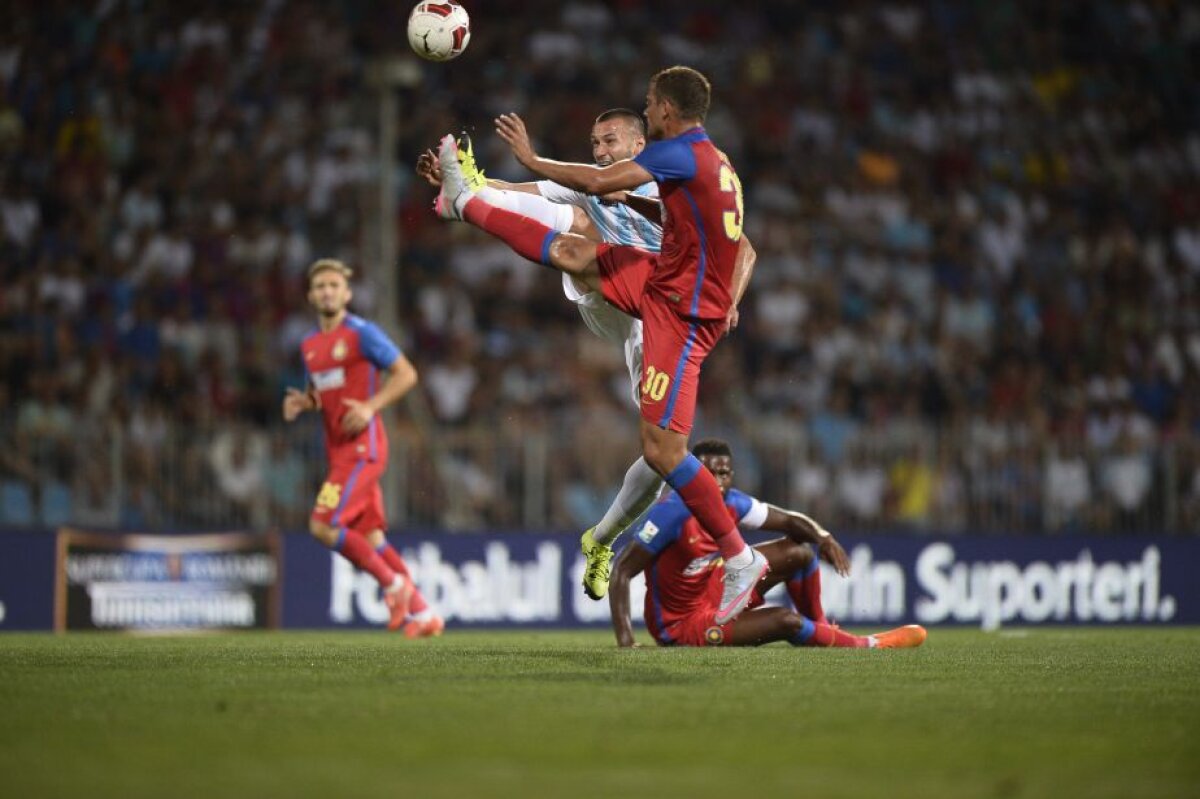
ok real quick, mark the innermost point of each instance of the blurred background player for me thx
(686, 298)
(342, 359)
(617, 135)
(684, 575)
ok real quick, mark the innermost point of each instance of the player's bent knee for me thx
(322, 532)
(572, 253)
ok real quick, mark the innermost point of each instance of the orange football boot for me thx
(906, 637)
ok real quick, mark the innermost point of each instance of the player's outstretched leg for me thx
(567, 252)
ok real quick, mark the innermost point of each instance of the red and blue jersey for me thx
(679, 579)
(702, 223)
(344, 363)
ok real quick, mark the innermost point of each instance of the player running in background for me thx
(342, 360)
(617, 135)
(686, 297)
(684, 575)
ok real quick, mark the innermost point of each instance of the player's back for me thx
(344, 363)
(702, 226)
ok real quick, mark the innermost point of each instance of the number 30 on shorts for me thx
(654, 385)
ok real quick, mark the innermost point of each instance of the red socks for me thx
(528, 237)
(825, 635)
(354, 548)
(699, 491)
(393, 559)
(805, 590)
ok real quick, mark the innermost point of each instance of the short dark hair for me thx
(628, 114)
(687, 89)
(711, 446)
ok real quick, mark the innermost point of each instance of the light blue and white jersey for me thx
(617, 223)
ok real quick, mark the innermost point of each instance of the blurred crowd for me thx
(977, 302)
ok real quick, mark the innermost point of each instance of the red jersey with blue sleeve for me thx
(702, 223)
(680, 580)
(344, 363)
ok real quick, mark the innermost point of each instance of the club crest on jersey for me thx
(714, 636)
(340, 350)
(648, 531)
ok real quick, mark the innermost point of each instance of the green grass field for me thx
(1045, 712)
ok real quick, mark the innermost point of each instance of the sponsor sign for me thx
(533, 581)
(159, 583)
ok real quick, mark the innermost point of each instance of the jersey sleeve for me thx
(751, 513)
(377, 347)
(558, 193)
(662, 526)
(668, 160)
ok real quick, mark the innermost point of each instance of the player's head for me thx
(717, 457)
(678, 97)
(329, 286)
(617, 135)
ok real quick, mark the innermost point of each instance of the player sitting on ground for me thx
(684, 575)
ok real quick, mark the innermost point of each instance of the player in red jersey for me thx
(343, 360)
(685, 296)
(684, 575)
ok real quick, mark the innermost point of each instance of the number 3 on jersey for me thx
(654, 385)
(729, 181)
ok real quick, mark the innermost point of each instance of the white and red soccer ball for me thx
(439, 31)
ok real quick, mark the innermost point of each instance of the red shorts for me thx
(351, 497)
(698, 628)
(673, 346)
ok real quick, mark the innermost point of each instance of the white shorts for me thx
(612, 325)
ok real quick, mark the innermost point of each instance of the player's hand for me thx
(832, 553)
(295, 402)
(731, 319)
(511, 128)
(430, 168)
(357, 416)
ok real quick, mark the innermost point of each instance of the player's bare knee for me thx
(793, 621)
(322, 532)
(572, 253)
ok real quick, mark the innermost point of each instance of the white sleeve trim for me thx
(756, 517)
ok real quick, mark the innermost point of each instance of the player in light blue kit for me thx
(627, 218)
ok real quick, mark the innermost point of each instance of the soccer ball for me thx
(439, 31)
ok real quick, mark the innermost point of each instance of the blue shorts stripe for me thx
(546, 242)
(347, 490)
(341, 540)
(683, 358)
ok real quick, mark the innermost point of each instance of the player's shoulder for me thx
(357, 323)
(310, 335)
(738, 500)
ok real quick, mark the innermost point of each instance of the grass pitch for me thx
(1045, 712)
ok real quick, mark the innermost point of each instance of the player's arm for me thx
(296, 402)
(633, 560)
(581, 177)
(805, 530)
(649, 207)
(399, 376)
(743, 269)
